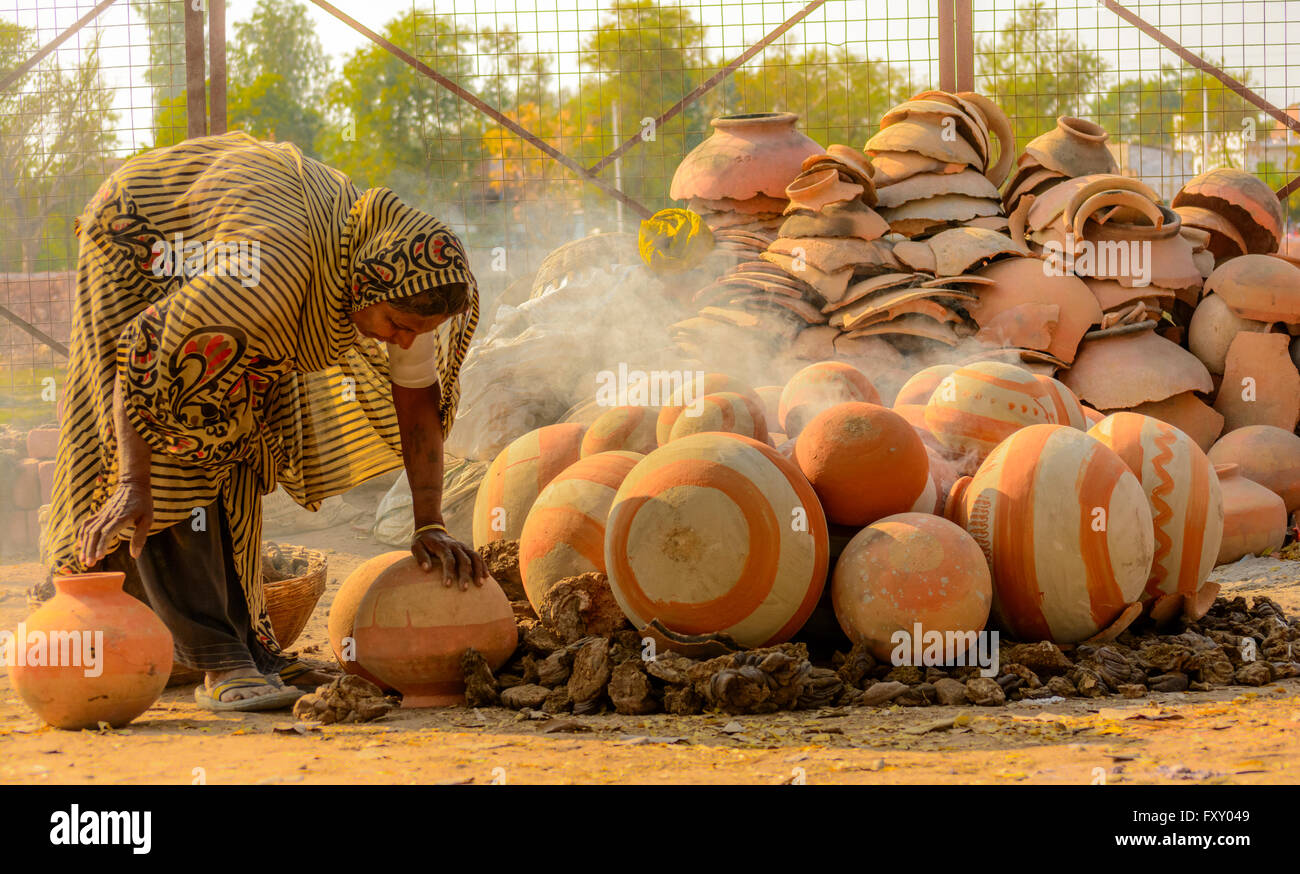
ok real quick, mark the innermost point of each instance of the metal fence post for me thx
(196, 99)
(217, 65)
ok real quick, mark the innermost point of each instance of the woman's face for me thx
(384, 322)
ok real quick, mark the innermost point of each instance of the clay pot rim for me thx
(1227, 469)
(98, 582)
(1080, 127)
(748, 119)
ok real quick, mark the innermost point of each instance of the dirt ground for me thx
(1233, 735)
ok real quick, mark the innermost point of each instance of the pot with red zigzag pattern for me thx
(717, 533)
(819, 387)
(1186, 505)
(906, 569)
(411, 631)
(727, 411)
(1066, 529)
(978, 406)
(626, 429)
(1063, 404)
(517, 476)
(564, 534)
(864, 461)
(691, 395)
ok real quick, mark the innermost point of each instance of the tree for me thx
(55, 136)
(1036, 72)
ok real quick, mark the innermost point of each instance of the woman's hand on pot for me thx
(130, 504)
(459, 563)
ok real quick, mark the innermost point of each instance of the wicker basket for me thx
(290, 602)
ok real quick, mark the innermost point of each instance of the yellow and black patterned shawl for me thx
(238, 386)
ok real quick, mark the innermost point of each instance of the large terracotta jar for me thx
(1267, 455)
(748, 155)
(1254, 518)
(411, 631)
(343, 611)
(107, 655)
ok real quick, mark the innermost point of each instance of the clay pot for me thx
(1067, 531)
(1185, 499)
(1189, 414)
(747, 155)
(921, 385)
(700, 537)
(813, 191)
(1254, 518)
(564, 534)
(908, 569)
(1258, 287)
(851, 444)
(343, 612)
(1123, 370)
(819, 387)
(966, 120)
(91, 626)
(712, 383)
(1018, 281)
(1260, 383)
(1225, 240)
(1267, 455)
(1243, 199)
(978, 406)
(631, 429)
(1212, 329)
(517, 475)
(1062, 403)
(411, 631)
(1075, 147)
(728, 411)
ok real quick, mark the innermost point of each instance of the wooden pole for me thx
(217, 65)
(196, 97)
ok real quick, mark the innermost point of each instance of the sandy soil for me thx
(1234, 735)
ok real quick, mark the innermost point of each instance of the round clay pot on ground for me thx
(864, 461)
(1185, 498)
(628, 428)
(1258, 287)
(343, 611)
(1261, 385)
(728, 411)
(1067, 530)
(717, 533)
(910, 569)
(517, 476)
(747, 155)
(712, 383)
(411, 631)
(819, 387)
(1063, 404)
(977, 406)
(1267, 455)
(1212, 329)
(564, 534)
(1254, 518)
(921, 385)
(91, 626)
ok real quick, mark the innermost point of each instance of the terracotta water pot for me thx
(728, 411)
(1189, 414)
(1243, 199)
(1067, 530)
(1126, 369)
(819, 387)
(712, 383)
(1261, 385)
(1212, 329)
(1063, 403)
(1075, 147)
(411, 631)
(1185, 498)
(717, 533)
(849, 445)
(564, 534)
(1019, 281)
(1258, 287)
(1267, 455)
(630, 429)
(91, 626)
(747, 155)
(921, 385)
(1254, 518)
(978, 406)
(517, 475)
(343, 612)
(906, 569)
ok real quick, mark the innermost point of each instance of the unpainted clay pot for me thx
(1067, 530)
(1225, 240)
(1185, 498)
(1123, 370)
(1075, 147)
(1020, 281)
(849, 445)
(343, 612)
(700, 538)
(92, 626)
(1254, 518)
(906, 569)
(1242, 198)
(1267, 455)
(747, 155)
(818, 387)
(628, 428)
(1260, 383)
(1258, 287)
(1212, 329)
(517, 475)
(564, 534)
(411, 631)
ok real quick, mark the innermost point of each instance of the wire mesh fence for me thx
(588, 99)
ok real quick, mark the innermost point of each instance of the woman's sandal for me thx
(211, 700)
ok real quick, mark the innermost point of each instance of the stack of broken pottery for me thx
(1075, 147)
(935, 166)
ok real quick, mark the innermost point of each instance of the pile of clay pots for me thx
(26, 485)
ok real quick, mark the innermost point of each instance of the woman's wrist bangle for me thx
(436, 526)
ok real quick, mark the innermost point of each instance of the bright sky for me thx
(1263, 35)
